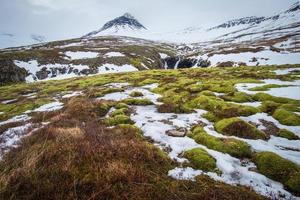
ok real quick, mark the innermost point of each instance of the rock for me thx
(43, 73)
(181, 132)
(10, 73)
(226, 64)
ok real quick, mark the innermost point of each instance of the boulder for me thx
(10, 73)
(180, 132)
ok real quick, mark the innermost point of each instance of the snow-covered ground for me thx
(114, 54)
(81, 55)
(290, 91)
(266, 57)
(111, 68)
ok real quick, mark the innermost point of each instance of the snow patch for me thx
(114, 54)
(81, 55)
(111, 68)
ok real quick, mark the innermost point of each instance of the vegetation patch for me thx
(287, 134)
(239, 97)
(118, 119)
(286, 117)
(279, 169)
(268, 87)
(239, 128)
(200, 159)
(136, 94)
(220, 108)
(137, 102)
(235, 148)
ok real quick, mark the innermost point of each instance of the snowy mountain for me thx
(122, 25)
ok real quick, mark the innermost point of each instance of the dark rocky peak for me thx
(126, 21)
(122, 21)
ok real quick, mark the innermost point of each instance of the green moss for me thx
(233, 147)
(269, 107)
(268, 97)
(267, 87)
(137, 102)
(286, 117)
(121, 105)
(279, 169)
(136, 94)
(239, 97)
(118, 119)
(239, 128)
(200, 159)
(121, 111)
(293, 184)
(207, 93)
(287, 134)
(210, 117)
(220, 108)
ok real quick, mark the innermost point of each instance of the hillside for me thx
(155, 134)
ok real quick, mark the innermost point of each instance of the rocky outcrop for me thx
(181, 62)
(9, 72)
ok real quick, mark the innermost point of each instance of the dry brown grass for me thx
(75, 159)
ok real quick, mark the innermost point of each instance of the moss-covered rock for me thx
(236, 148)
(239, 128)
(287, 134)
(200, 159)
(279, 169)
(293, 184)
(220, 108)
(239, 97)
(268, 97)
(121, 111)
(118, 119)
(269, 107)
(267, 87)
(121, 105)
(286, 117)
(136, 94)
(137, 102)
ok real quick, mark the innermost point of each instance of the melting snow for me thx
(163, 55)
(111, 68)
(264, 58)
(10, 137)
(9, 101)
(288, 92)
(114, 54)
(14, 119)
(81, 55)
(73, 94)
(285, 71)
(49, 107)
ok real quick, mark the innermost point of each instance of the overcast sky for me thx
(60, 19)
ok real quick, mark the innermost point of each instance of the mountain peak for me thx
(123, 24)
(128, 15)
